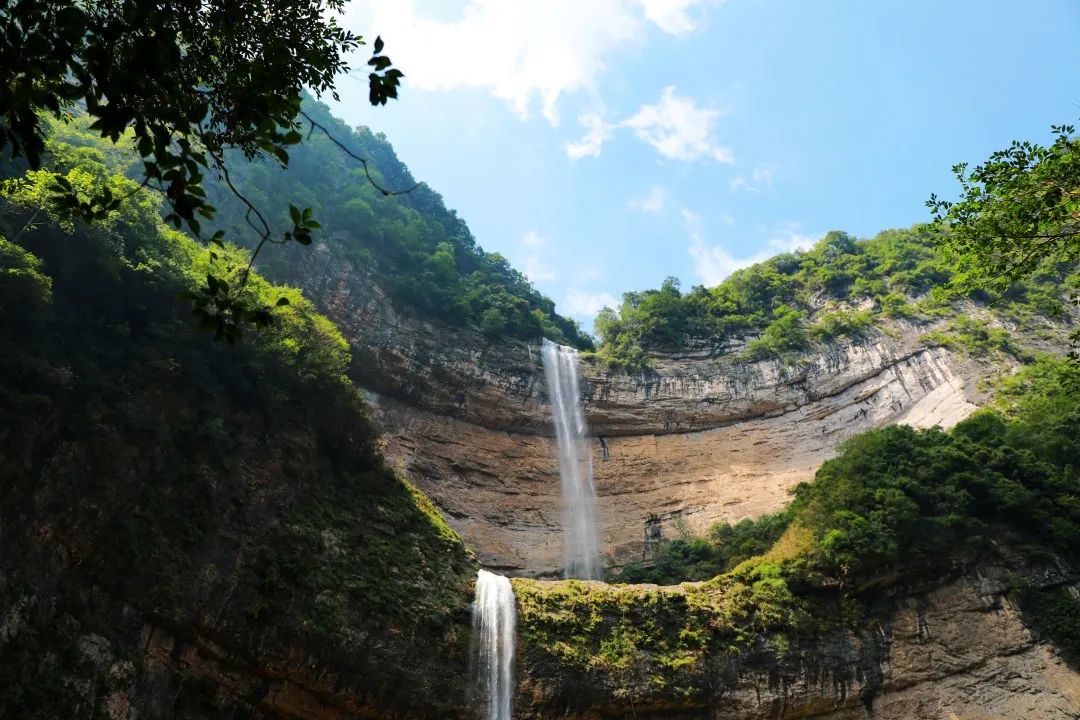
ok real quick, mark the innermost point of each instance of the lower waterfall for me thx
(494, 617)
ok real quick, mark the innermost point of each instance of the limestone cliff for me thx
(699, 438)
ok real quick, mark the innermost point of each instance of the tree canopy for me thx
(843, 286)
(185, 82)
(1016, 211)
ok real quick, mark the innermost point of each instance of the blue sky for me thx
(602, 145)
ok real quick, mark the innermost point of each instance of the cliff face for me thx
(952, 648)
(696, 440)
(173, 546)
(142, 577)
(191, 530)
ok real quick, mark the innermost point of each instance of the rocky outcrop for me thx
(698, 439)
(948, 650)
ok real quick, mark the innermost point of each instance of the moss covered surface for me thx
(1053, 613)
(153, 477)
(668, 646)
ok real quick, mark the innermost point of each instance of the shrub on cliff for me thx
(702, 558)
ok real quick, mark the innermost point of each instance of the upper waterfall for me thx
(580, 544)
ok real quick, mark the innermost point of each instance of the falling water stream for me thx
(494, 611)
(580, 545)
(494, 617)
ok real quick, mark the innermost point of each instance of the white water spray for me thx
(581, 555)
(494, 618)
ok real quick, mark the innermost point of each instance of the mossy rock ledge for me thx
(917, 644)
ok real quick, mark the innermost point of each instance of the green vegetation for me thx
(1017, 211)
(894, 502)
(973, 336)
(841, 287)
(227, 79)
(1018, 214)
(224, 130)
(411, 245)
(657, 642)
(422, 253)
(697, 558)
(153, 475)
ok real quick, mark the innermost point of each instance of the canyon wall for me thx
(952, 647)
(699, 438)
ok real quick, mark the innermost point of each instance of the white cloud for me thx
(533, 264)
(584, 304)
(671, 15)
(713, 263)
(597, 133)
(653, 202)
(537, 269)
(679, 129)
(763, 175)
(675, 126)
(529, 52)
(760, 178)
(586, 273)
(533, 239)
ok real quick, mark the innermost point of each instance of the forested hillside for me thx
(842, 286)
(422, 253)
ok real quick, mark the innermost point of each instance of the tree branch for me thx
(363, 161)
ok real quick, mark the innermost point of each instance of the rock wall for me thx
(696, 440)
(951, 650)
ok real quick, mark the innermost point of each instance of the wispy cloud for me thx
(653, 202)
(672, 16)
(532, 238)
(675, 126)
(714, 263)
(679, 129)
(761, 178)
(597, 133)
(538, 270)
(533, 264)
(585, 304)
(529, 53)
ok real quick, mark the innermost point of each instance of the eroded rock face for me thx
(960, 651)
(696, 440)
(953, 649)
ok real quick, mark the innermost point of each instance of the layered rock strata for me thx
(695, 440)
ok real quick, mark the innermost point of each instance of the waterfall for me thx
(493, 615)
(580, 546)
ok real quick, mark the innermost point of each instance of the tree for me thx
(1017, 210)
(184, 81)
